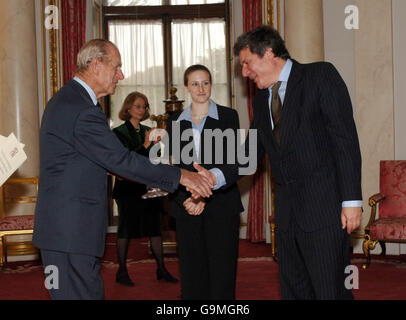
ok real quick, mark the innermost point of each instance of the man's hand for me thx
(196, 183)
(147, 141)
(205, 173)
(194, 206)
(351, 218)
(156, 134)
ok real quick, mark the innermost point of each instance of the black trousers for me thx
(312, 264)
(208, 253)
(71, 276)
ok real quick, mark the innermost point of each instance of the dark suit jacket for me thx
(318, 163)
(77, 148)
(133, 141)
(223, 202)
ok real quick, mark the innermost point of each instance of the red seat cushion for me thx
(389, 229)
(393, 186)
(17, 223)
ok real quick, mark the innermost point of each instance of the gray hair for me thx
(93, 49)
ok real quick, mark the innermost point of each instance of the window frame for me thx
(167, 13)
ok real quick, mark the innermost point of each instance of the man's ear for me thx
(94, 66)
(269, 53)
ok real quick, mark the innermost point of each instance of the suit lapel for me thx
(210, 124)
(292, 102)
(186, 125)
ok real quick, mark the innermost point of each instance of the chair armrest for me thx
(378, 197)
(373, 200)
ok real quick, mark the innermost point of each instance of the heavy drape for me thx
(73, 34)
(252, 17)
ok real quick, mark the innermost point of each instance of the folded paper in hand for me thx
(12, 156)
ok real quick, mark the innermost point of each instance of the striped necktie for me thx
(276, 110)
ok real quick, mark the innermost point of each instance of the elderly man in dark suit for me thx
(304, 121)
(77, 148)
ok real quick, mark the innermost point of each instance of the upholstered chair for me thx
(21, 192)
(390, 225)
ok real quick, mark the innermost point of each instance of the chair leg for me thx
(273, 244)
(368, 245)
(5, 250)
(1, 252)
(383, 246)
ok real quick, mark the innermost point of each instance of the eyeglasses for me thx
(137, 106)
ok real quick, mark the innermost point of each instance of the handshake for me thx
(199, 184)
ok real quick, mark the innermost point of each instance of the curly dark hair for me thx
(261, 38)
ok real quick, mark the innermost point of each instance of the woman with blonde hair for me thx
(137, 217)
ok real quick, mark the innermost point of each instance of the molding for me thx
(43, 54)
(53, 56)
(97, 8)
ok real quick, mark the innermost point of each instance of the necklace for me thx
(199, 116)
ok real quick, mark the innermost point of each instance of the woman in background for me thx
(137, 217)
(207, 229)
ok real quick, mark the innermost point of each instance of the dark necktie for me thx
(276, 110)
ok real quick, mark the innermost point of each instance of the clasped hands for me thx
(199, 184)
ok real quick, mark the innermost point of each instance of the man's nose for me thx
(245, 71)
(120, 74)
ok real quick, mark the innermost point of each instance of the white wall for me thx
(399, 69)
(239, 103)
(365, 60)
(339, 42)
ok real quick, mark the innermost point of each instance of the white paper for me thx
(12, 156)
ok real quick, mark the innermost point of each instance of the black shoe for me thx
(123, 278)
(164, 274)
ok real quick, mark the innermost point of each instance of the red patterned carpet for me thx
(257, 276)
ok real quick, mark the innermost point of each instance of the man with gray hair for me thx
(304, 120)
(77, 149)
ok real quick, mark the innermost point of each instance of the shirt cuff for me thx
(353, 203)
(220, 179)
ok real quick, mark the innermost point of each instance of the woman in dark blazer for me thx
(137, 217)
(207, 229)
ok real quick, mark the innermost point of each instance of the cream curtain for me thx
(133, 2)
(200, 41)
(142, 54)
(141, 47)
(157, 2)
(179, 2)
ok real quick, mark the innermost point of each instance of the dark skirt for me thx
(139, 218)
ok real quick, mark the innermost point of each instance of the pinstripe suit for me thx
(316, 167)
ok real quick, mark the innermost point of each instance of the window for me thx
(157, 2)
(159, 39)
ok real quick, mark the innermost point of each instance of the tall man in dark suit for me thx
(77, 149)
(304, 121)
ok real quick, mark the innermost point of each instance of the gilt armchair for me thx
(21, 192)
(390, 226)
